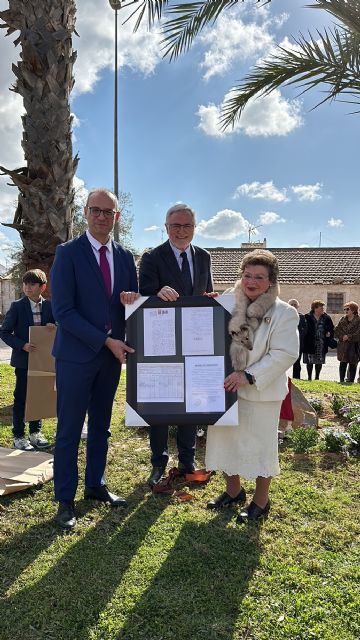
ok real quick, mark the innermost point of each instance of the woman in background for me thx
(320, 333)
(347, 332)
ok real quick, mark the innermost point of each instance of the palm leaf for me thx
(331, 59)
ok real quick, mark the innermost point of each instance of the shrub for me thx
(337, 441)
(337, 403)
(317, 404)
(354, 431)
(302, 439)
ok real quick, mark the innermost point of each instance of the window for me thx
(335, 303)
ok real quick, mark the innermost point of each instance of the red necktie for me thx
(105, 270)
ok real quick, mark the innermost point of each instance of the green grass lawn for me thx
(170, 570)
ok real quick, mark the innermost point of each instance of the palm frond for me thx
(153, 9)
(333, 59)
(192, 18)
(347, 11)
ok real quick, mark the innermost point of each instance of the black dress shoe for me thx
(253, 513)
(155, 476)
(65, 517)
(104, 495)
(224, 500)
(186, 468)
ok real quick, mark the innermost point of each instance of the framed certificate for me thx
(176, 375)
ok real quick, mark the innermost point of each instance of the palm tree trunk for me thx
(44, 79)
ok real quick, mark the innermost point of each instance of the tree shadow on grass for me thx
(61, 604)
(198, 591)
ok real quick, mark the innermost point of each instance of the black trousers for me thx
(297, 367)
(185, 439)
(351, 373)
(19, 406)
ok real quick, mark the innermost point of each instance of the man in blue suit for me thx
(92, 278)
(175, 268)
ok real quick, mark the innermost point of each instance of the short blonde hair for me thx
(264, 258)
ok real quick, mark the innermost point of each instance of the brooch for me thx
(267, 320)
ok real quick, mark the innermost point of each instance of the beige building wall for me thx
(7, 294)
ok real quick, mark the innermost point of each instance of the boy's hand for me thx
(29, 347)
(51, 326)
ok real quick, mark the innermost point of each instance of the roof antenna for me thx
(320, 240)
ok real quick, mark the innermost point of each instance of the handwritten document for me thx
(197, 331)
(160, 382)
(204, 384)
(159, 332)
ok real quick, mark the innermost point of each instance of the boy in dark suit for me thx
(26, 312)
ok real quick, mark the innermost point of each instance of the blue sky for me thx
(287, 169)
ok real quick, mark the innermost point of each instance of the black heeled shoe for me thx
(253, 513)
(224, 500)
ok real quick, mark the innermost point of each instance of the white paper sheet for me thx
(197, 331)
(159, 332)
(204, 383)
(162, 382)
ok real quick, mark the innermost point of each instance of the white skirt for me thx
(249, 449)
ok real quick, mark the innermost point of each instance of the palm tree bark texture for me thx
(44, 79)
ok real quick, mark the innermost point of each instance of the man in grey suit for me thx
(175, 268)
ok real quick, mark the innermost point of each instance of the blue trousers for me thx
(19, 406)
(83, 387)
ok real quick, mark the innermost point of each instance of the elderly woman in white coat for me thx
(250, 449)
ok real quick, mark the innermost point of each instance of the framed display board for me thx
(176, 375)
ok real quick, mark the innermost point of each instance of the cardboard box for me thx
(41, 391)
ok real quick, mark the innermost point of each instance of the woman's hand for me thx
(345, 338)
(235, 380)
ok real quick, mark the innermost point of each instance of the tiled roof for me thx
(301, 266)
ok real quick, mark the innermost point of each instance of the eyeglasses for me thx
(346, 308)
(95, 211)
(177, 227)
(249, 277)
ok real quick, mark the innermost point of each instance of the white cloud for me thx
(270, 217)
(154, 227)
(308, 192)
(230, 41)
(271, 115)
(224, 225)
(261, 190)
(335, 222)
(140, 51)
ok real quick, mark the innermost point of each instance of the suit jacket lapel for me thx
(170, 259)
(89, 253)
(28, 310)
(118, 270)
(196, 266)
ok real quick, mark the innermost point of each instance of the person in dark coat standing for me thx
(302, 329)
(175, 268)
(319, 337)
(347, 332)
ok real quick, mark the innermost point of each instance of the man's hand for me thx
(128, 297)
(118, 348)
(28, 347)
(235, 380)
(168, 294)
(211, 294)
(50, 326)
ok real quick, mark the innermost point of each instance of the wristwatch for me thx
(249, 377)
